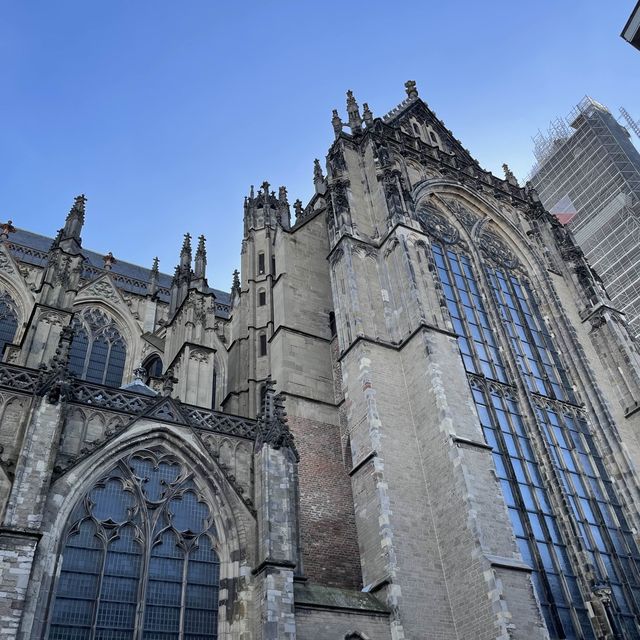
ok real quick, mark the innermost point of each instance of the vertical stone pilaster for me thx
(19, 533)
(277, 542)
(17, 550)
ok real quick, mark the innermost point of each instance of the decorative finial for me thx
(282, 194)
(109, 261)
(367, 115)
(336, 122)
(265, 188)
(273, 429)
(140, 374)
(509, 177)
(78, 207)
(297, 207)
(56, 241)
(355, 121)
(6, 228)
(235, 285)
(152, 288)
(201, 250)
(318, 178)
(186, 245)
(411, 89)
(168, 381)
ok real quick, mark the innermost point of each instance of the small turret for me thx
(265, 210)
(355, 121)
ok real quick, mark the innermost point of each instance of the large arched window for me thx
(139, 558)
(532, 402)
(8, 320)
(98, 351)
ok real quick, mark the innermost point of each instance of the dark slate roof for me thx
(32, 248)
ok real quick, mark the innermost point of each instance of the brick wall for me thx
(329, 543)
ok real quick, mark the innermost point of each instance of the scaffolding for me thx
(587, 159)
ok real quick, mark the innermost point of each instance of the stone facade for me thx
(459, 453)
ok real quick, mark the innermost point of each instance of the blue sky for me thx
(164, 112)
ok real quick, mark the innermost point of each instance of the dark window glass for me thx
(332, 323)
(98, 353)
(149, 549)
(153, 366)
(8, 322)
(263, 344)
(261, 268)
(262, 298)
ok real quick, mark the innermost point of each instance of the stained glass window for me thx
(561, 426)
(98, 351)
(139, 560)
(8, 321)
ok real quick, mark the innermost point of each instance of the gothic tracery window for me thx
(98, 351)
(8, 320)
(546, 410)
(139, 560)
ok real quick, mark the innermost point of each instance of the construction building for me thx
(588, 175)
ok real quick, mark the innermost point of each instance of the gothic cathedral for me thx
(416, 416)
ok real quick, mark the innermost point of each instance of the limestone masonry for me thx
(415, 416)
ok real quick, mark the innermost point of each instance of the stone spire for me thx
(297, 207)
(70, 239)
(318, 178)
(336, 122)
(201, 259)
(235, 287)
(154, 277)
(355, 121)
(411, 89)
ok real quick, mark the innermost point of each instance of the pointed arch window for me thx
(98, 352)
(8, 320)
(542, 408)
(139, 560)
(153, 366)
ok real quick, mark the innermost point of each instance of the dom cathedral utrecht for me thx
(414, 417)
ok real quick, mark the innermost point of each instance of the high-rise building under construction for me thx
(588, 175)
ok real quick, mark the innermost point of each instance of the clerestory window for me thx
(8, 321)
(533, 400)
(98, 352)
(139, 559)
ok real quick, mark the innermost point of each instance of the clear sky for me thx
(164, 112)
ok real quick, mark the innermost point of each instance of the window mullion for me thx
(183, 595)
(96, 608)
